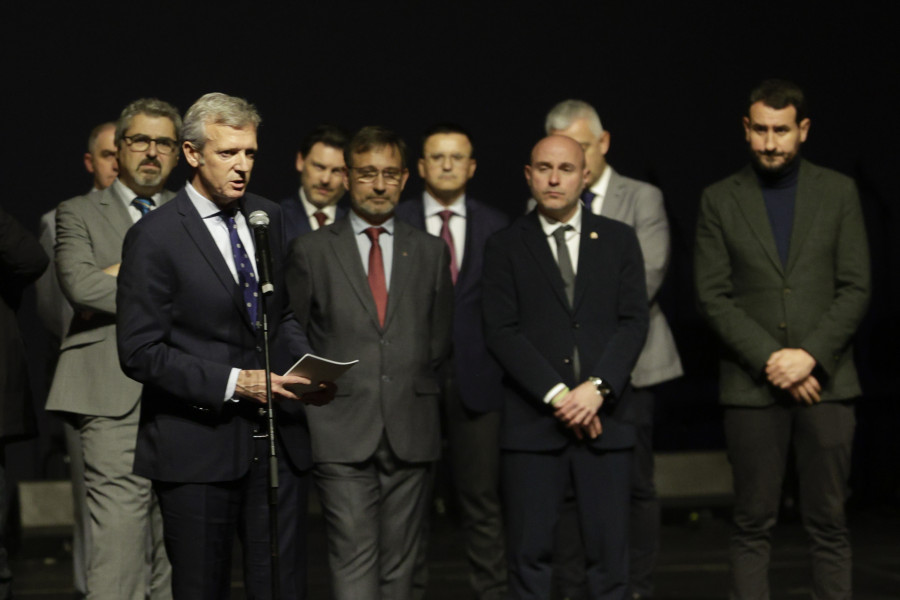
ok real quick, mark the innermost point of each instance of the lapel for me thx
(749, 199)
(587, 247)
(201, 237)
(112, 207)
(805, 208)
(615, 193)
(405, 248)
(343, 244)
(537, 244)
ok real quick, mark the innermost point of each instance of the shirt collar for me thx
(432, 207)
(311, 209)
(551, 225)
(359, 225)
(206, 207)
(602, 186)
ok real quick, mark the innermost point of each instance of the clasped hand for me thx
(578, 411)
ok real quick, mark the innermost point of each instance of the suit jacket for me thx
(182, 327)
(477, 373)
(756, 305)
(21, 261)
(296, 221)
(54, 310)
(532, 329)
(89, 234)
(640, 205)
(394, 388)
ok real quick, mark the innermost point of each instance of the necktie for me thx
(564, 259)
(376, 273)
(320, 218)
(142, 204)
(246, 278)
(448, 238)
(587, 196)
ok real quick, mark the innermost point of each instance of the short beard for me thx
(765, 169)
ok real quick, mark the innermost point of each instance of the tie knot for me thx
(143, 204)
(373, 233)
(560, 233)
(445, 215)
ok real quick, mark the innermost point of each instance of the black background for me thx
(669, 80)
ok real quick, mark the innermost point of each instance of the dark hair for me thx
(374, 136)
(330, 135)
(152, 107)
(447, 127)
(778, 94)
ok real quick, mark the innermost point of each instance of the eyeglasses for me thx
(141, 143)
(369, 175)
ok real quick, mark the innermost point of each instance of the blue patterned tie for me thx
(142, 204)
(587, 197)
(246, 277)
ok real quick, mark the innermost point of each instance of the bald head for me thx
(556, 176)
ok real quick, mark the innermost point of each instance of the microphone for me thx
(259, 223)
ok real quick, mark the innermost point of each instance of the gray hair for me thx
(152, 107)
(567, 112)
(217, 109)
(95, 133)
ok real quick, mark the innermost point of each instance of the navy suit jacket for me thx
(532, 329)
(477, 373)
(182, 327)
(296, 222)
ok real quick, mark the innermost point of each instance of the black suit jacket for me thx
(22, 260)
(296, 222)
(477, 373)
(532, 330)
(182, 327)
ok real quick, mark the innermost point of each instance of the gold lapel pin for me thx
(594, 235)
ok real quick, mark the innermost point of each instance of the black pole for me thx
(273, 459)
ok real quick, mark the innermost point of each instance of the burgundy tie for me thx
(376, 273)
(320, 218)
(448, 237)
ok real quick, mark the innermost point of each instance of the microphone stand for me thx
(273, 457)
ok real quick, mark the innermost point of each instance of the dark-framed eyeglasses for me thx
(141, 143)
(370, 174)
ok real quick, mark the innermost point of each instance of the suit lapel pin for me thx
(594, 235)
(404, 253)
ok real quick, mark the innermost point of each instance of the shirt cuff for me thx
(554, 391)
(231, 386)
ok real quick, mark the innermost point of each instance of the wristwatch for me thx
(603, 388)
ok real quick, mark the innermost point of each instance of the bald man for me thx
(565, 309)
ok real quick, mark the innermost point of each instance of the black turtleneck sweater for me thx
(779, 192)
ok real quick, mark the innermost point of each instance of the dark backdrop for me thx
(669, 80)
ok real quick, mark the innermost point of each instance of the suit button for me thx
(383, 342)
(782, 325)
(386, 378)
(259, 348)
(576, 325)
(567, 360)
(262, 411)
(787, 291)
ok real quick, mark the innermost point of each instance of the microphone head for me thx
(258, 218)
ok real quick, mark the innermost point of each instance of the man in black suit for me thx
(375, 289)
(566, 317)
(320, 162)
(188, 329)
(21, 261)
(473, 392)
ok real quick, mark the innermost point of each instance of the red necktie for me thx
(448, 237)
(320, 218)
(376, 273)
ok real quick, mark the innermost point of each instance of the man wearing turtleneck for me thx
(782, 276)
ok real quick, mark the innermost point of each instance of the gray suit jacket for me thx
(640, 205)
(90, 230)
(394, 388)
(756, 305)
(52, 307)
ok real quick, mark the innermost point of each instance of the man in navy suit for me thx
(472, 379)
(565, 311)
(320, 162)
(188, 329)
